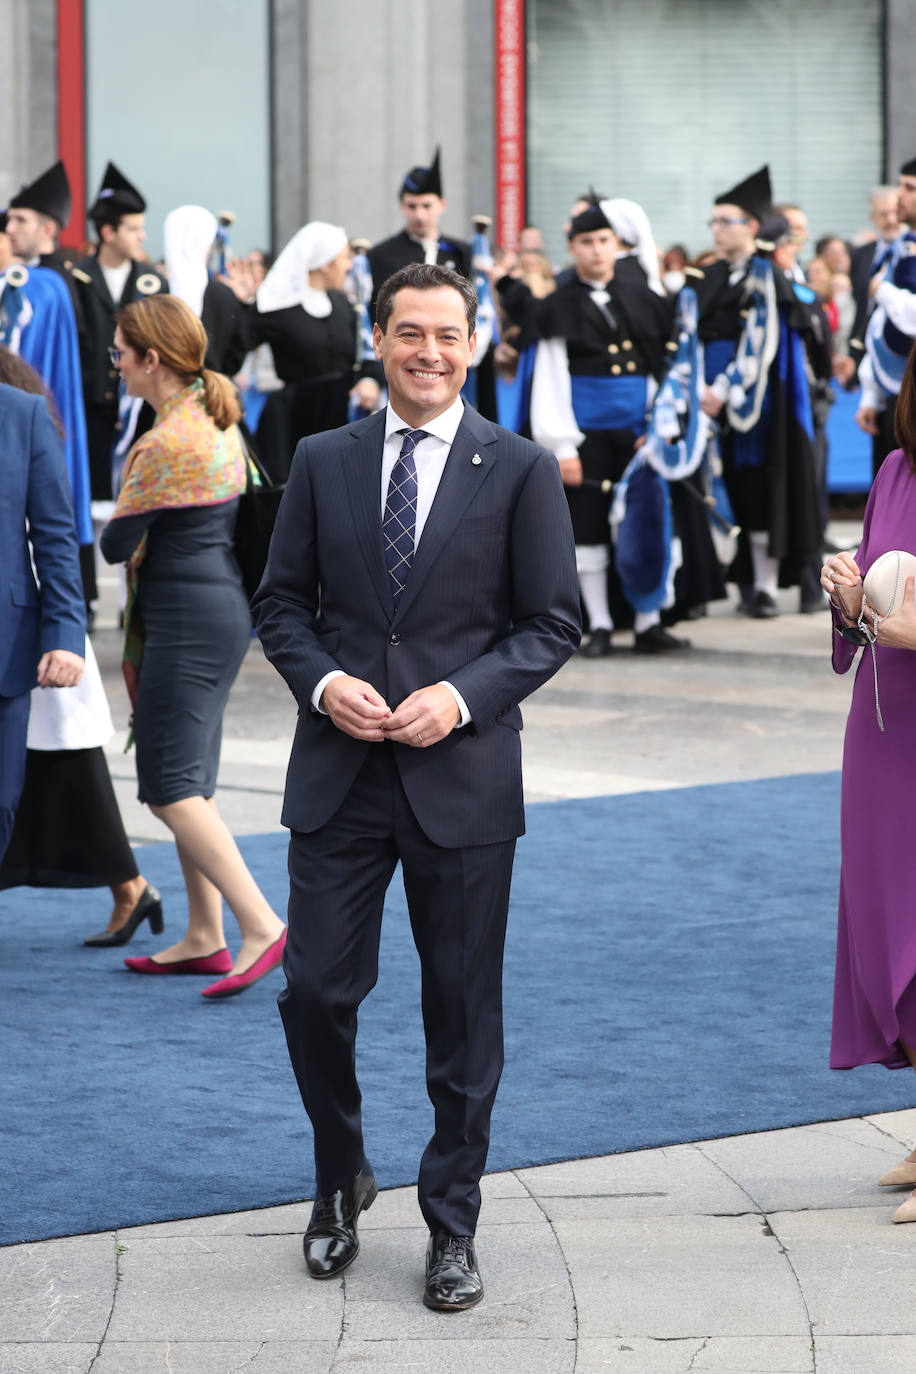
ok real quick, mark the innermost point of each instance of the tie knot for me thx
(411, 438)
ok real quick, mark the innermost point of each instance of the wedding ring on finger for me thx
(420, 737)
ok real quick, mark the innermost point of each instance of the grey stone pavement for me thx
(771, 1253)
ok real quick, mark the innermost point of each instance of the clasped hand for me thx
(423, 718)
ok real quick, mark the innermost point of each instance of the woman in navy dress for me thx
(188, 627)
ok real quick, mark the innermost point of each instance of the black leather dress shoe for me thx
(452, 1278)
(658, 640)
(599, 645)
(330, 1242)
(764, 606)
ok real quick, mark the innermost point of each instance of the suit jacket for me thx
(861, 260)
(491, 605)
(35, 488)
(100, 380)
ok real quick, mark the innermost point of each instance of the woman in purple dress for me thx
(874, 1014)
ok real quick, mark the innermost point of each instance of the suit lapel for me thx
(460, 483)
(362, 465)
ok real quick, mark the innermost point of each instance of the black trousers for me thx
(458, 902)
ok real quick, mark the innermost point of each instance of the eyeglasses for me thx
(719, 221)
(114, 356)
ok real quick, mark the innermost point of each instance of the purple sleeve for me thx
(843, 652)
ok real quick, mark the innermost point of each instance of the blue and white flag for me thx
(487, 319)
(748, 372)
(678, 428)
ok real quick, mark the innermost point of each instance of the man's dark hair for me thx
(424, 276)
(113, 219)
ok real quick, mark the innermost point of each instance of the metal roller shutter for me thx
(668, 102)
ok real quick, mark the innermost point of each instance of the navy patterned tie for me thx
(400, 517)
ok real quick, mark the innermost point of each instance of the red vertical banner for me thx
(71, 114)
(510, 121)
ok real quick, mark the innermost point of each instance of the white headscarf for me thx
(189, 234)
(630, 222)
(287, 282)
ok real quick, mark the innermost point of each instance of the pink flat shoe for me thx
(218, 962)
(238, 982)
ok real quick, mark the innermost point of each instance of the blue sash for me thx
(717, 355)
(610, 402)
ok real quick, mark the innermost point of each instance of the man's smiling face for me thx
(425, 351)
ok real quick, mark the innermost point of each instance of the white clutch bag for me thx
(885, 581)
(885, 588)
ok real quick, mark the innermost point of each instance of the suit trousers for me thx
(458, 902)
(14, 724)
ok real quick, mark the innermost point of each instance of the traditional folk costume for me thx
(189, 233)
(767, 430)
(602, 352)
(314, 338)
(392, 254)
(890, 333)
(102, 292)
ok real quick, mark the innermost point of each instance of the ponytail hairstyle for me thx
(167, 325)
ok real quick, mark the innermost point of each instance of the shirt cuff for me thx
(565, 449)
(460, 703)
(316, 695)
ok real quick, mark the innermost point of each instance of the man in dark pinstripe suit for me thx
(421, 583)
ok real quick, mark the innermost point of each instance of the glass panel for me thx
(180, 102)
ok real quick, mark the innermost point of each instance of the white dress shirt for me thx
(430, 456)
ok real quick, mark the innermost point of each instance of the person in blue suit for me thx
(421, 582)
(43, 623)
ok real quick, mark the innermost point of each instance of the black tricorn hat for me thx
(116, 197)
(754, 195)
(588, 221)
(423, 181)
(909, 168)
(49, 195)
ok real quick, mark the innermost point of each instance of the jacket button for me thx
(394, 641)
(109, 396)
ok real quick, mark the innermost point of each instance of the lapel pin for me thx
(477, 460)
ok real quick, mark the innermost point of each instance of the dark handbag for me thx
(254, 523)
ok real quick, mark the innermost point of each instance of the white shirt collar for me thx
(444, 426)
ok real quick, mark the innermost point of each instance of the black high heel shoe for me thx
(148, 907)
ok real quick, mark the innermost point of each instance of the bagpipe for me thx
(678, 443)
(15, 307)
(224, 222)
(885, 344)
(481, 266)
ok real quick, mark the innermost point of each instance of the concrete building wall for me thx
(28, 91)
(363, 92)
(900, 107)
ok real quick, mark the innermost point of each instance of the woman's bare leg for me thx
(126, 896)
(213, 867)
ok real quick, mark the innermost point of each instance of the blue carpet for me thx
(668, 978)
